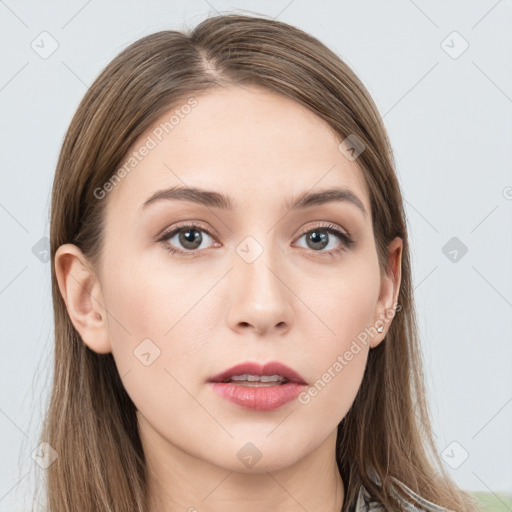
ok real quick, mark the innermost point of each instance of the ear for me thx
(389, 288)
(83, 297)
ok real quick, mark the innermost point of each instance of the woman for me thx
(234, 318)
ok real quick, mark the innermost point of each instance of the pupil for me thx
(319, 239)
(191, 238)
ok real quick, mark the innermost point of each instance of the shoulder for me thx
(365, 503)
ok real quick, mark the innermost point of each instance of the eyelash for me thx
(346, 240)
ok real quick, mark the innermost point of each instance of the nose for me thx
(260, 298)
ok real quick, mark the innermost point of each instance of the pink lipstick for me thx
(258, 387)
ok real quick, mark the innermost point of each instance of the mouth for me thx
(256, 375)
(257, 381)
(257, 387)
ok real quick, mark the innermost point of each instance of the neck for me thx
(178, 481)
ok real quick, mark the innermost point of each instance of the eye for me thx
(327, 236)
(185, 240)
(189, 239)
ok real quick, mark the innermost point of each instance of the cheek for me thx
(148, 302)
(136, 319)
(339, 362)
(345, 302)
(345, 305)
(332, 394)
(158, 328)
(148, 327)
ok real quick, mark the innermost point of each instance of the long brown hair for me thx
(91, 421)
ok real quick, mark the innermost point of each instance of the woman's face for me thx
(260, 281)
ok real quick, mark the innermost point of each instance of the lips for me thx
(258, 387)
(270, 369)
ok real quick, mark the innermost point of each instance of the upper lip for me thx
(250, 368)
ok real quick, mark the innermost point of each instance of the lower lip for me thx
(264, 398)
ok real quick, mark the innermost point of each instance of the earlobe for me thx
(82, 295)
(389, 290)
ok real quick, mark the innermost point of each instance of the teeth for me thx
(258, 378)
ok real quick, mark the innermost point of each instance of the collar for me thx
(365, 503)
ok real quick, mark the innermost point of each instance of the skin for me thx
(294, 303)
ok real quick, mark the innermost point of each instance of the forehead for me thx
(254, 145)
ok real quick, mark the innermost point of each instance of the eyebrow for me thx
(216, 200)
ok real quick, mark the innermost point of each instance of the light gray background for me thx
(448, 117)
